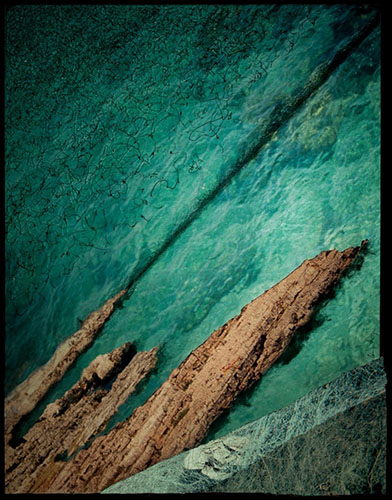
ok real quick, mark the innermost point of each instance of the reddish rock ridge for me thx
(83, 411)
(24, 398)
(177, 416)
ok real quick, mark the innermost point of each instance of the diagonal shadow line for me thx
(255, 141)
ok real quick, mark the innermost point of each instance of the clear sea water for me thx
(135, 153)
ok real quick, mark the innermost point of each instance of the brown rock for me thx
(24, 398)
(83, 411)
(176, 417)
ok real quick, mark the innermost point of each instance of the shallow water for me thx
(135, 154)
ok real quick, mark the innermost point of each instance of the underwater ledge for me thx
(178, 415)
(332, 441)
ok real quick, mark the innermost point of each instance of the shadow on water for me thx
(318, 316)
(293, 349)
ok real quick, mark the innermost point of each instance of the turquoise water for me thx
(158, 146)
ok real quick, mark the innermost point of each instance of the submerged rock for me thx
(177, 416)
(217, 458)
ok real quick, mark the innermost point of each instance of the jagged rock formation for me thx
(83, 411)
(309, 447)
(177, 416)
(24, 398)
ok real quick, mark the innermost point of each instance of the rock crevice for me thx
(70, 422)
(24, 398)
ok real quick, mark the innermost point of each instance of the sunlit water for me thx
(121, 126)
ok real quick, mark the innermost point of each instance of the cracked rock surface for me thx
(71, 421)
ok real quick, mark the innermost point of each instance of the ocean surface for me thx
(199, 154)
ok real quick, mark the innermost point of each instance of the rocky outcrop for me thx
(308, 448)
(177, 416)
(83, 411)
(24, 398)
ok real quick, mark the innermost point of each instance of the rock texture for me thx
(24, 398)
(83, 411)
(278, 453)
(177, 416)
